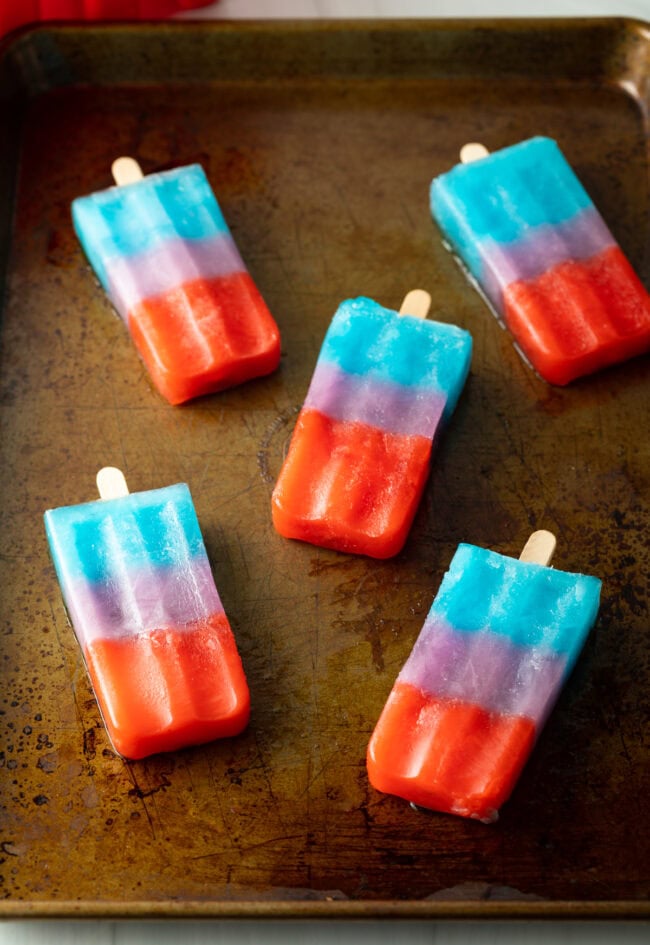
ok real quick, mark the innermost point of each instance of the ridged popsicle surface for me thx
(359, 455)
(529, 234)
(500, 639)
(138, 586)
(163, 252)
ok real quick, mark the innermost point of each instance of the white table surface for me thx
(321, 933)
(361, 932)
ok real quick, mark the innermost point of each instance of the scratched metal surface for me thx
(320, 142)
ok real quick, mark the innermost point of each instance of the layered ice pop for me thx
(532, 240)
(139, 591)
(359, 455)
(163, 252)
(499, 641)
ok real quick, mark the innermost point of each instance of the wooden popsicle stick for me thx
(472, 151)
(111, 483)
(539, 548)
(416, 303)
(126, 170)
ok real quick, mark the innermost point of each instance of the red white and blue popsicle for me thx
(534, 243)
(139, 591)
(498, 644)
(163, 252)
(359, 456)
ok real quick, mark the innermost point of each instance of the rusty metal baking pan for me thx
(320, 141)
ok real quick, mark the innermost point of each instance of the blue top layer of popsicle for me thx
(99, 541)
(366, 339)
(530, 604)
(502, 196)
(121, 221)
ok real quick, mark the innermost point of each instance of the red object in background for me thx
(14, 13)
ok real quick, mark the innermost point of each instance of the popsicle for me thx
(163, 252)
(359, 456)
(139, 591)
(533, 242)
(500, 639)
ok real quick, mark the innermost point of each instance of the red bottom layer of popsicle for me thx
(447, 755)
(350, 486)
(205, 335)
(166, 689)
(580, 316)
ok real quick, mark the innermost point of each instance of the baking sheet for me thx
(320, 141)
